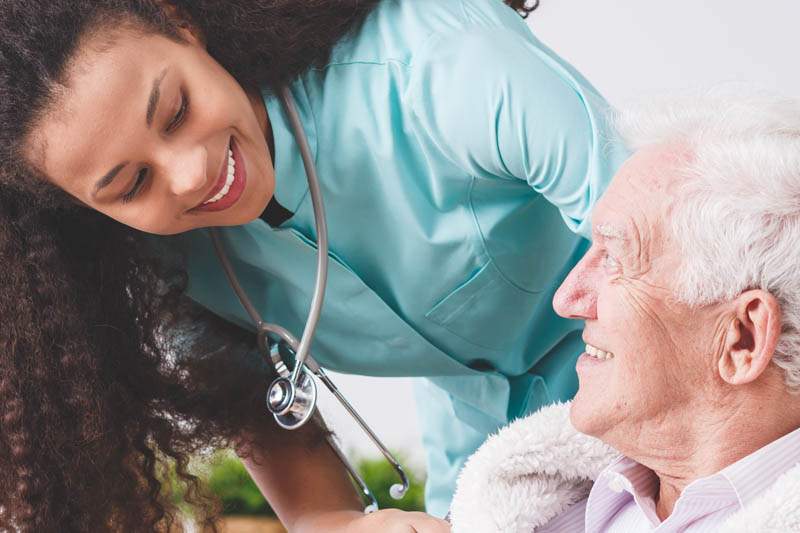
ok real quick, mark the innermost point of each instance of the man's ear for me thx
(751, 337)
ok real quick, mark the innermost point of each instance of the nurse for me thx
(459, 161)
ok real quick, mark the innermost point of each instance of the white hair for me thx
(737, 215)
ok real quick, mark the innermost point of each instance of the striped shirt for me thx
(623, 498)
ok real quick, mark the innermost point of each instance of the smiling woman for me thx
(92, 388)
(124, 119)
(169, 151)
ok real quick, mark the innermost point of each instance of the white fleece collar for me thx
(534, 469)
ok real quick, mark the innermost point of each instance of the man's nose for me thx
(186, 170)
(577, 296)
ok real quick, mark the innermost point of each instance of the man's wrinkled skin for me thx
(685, 391)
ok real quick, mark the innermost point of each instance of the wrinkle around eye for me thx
(637, 298)
(610, 263)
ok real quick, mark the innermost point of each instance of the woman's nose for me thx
(577, 296)
(186, 170)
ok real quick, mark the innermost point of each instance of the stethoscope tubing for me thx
(303, 360)
(321, 224)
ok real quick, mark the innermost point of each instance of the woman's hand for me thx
(309, 489)
(385, 521)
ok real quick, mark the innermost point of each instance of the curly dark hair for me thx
(107, 371)
(523, 7)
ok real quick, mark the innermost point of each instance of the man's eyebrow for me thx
(155, 95)
(609, 231)
(108, 179)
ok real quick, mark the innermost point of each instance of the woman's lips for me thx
(237, 186)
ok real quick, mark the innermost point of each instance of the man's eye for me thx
(137, 186)
(180, 116)
(609, 263)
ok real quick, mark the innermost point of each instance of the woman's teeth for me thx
(597, 353)
(228, 181)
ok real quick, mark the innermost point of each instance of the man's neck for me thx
(687, 446)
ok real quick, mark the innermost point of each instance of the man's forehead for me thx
(640, 192)
(654, 169)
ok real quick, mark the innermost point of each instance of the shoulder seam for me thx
(362, 62)
(467, 18)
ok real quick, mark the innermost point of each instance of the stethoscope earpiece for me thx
(398, 491)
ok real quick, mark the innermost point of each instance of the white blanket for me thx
(535, 468)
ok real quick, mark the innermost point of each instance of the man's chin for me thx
(587, 415)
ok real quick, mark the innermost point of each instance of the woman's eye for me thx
(137, 186)
(180, 116)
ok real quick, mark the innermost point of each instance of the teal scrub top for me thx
(459, 160)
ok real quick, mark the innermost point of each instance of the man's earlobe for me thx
(751, 337)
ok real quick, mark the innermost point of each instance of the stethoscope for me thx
(292, 396)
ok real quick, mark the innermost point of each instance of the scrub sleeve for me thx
(469, 96)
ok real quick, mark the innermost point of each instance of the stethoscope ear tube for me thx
(396, 491)
(292, 396)
(322, 233)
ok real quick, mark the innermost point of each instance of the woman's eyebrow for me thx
(108, 179)
(155, 95)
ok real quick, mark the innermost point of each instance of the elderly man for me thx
(688, 410)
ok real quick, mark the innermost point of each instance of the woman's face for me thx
(157, 135)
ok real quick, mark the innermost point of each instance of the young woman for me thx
(452, 147)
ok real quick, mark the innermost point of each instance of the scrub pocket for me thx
(487, 310)
(488, 401)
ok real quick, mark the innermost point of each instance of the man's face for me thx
(648, 356)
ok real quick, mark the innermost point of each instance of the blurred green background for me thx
(226, 477)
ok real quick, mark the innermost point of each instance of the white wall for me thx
(631, 47)
(627, 48)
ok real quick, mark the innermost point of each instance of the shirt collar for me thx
(739, 483)
(753, 474)
(291, 185)
(622, 480)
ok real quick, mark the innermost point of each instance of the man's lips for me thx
(595, 351)
(595, 344)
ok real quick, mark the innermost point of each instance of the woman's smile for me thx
(230, 184)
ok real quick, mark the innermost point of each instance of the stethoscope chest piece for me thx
(292, 404)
